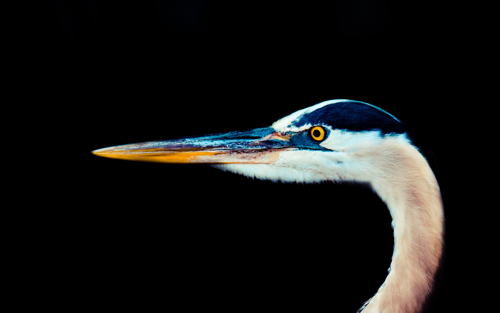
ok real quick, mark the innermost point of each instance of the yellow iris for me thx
(318, 133)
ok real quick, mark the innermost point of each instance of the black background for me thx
(170, 236)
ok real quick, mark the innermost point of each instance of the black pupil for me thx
(316, 133)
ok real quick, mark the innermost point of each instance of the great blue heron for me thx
(336, 140)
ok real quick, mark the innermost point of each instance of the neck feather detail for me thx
(414, 201)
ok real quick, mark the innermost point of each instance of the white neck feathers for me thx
(414, 201)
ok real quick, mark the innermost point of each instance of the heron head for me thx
(311, 145)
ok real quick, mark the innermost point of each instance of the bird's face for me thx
(301, 147)
(258, 146)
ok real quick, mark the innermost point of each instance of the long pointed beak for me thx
(261, 145)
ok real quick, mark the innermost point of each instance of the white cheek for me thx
(343, 140)
(293, 166)
(312, 165)
(296, 159)
(338, 140)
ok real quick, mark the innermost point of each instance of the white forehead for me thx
(284, 124)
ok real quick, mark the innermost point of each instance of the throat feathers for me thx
(412, 195)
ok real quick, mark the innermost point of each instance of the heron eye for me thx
(317, 133)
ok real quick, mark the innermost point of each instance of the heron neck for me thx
(414, 201)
